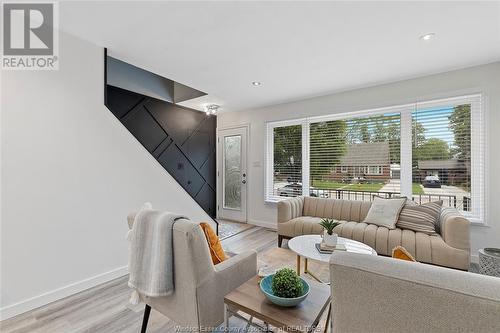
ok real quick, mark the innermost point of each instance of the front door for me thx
(232, 174)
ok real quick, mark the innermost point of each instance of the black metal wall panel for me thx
(182, 140)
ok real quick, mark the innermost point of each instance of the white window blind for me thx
(352, 157)
(427, 151)
(446, 135)
(285, 161)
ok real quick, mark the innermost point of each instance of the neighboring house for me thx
(450, 172)
(368, 160)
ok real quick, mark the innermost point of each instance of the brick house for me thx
(450, 172)
(364, 160)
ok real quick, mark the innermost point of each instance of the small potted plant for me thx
(329, 238)
(285, 287)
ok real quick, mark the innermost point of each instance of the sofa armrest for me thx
(455, 229)
(234, 271)
(290, 209)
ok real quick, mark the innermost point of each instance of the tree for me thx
(383, 128)
(417, 133)
(460, 125)
(327, 146)
(432, 149)
(288, 151)
(358, 130)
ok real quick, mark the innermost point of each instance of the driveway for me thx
(394, 186)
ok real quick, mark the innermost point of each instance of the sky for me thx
(436, 123)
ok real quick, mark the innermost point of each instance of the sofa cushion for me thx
(214, 244)
(303, 225)
(349, 210)
(422, 218)
(385, 212)
(400, 252)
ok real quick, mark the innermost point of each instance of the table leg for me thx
(305, 265)
(249, 323)
(328, 317)
(298, 264)
(226, 318)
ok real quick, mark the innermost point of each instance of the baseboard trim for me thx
(60, 293)
(265, 224)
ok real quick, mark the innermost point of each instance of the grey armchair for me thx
(380, 294)
(200, 286)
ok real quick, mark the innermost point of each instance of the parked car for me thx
(431, 181)
(295, 189)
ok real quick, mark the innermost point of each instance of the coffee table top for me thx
(249, 298)
(305, 246)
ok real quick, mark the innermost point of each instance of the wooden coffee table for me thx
(249, 299)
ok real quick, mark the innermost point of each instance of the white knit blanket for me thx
(151, 262)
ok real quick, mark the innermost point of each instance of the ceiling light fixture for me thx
(256, 83)
(428, 36)
(211, 109)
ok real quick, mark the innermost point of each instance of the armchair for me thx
(200, 287)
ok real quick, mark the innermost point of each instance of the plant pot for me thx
(330, 240)
(266, 287)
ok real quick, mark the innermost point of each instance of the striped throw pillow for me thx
(420, 218)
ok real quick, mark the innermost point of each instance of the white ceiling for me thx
(296, 49)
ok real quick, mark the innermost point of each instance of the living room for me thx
(316, 144)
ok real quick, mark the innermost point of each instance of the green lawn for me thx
(374, 187)
(417, 189)
(327, 185)
(332, 185)
(371, 187)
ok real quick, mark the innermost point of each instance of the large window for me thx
(441, 155)
(350, 156)
(287, 161)
(426, 151)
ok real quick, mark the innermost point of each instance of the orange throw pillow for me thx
(214, 244)
(400, 252)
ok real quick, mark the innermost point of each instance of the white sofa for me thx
(380, 294)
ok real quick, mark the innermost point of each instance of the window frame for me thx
(478, 147)
(269, 182)
(378, 173)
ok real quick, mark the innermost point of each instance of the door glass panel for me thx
(232, 172)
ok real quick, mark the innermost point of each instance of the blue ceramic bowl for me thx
(266, 287)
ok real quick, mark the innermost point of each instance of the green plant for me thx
(286, 283)
(329, 225)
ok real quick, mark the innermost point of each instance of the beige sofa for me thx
(378, 294)
(301, 216)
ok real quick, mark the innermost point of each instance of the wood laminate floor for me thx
(105, 308)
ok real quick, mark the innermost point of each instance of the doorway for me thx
(232, 175)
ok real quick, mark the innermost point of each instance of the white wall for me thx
(485, 79)
(70, 174)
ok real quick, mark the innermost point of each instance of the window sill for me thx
(478, 223)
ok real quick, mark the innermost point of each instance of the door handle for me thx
(243, 181)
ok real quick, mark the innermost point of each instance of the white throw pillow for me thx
(385, 212)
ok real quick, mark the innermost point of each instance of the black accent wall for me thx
(182, 140)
